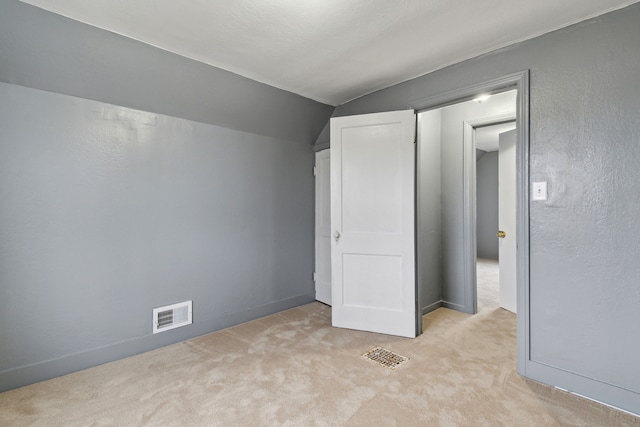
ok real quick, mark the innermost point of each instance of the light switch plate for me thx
(539, 190)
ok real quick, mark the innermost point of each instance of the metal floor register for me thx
(385, 357)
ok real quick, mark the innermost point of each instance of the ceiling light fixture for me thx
(481, 98)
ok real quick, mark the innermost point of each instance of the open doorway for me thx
(447, 225)
(428, 219)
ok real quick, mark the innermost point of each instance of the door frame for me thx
(469, 204)
(520, 82)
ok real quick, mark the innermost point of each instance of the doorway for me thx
(467, 293)
(447, 196)
(425, 288)
(494, 142)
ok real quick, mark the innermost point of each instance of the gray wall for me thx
(487, 205)
(107, 211)
(584, 141)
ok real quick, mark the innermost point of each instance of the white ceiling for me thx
(330, 50)
(487, 137)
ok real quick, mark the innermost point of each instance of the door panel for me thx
(372, 219)
(371, 175)
(373, 273)
(507, 219)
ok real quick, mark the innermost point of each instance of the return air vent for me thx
(172, 316)
(385, 357)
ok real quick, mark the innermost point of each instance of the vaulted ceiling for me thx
(331, 51)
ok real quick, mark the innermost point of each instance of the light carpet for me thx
(294, 369)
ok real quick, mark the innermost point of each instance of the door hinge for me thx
(314, 171)
(314, 276)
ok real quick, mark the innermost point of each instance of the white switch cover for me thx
(539, 190)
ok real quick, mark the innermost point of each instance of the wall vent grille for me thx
(172, 316)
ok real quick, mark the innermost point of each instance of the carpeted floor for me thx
(293, 368)
(488, 280)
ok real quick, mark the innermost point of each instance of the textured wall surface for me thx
(487, 205)
(585, 142)
(108, 212)
(180, 181)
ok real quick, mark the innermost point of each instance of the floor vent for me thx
(385, 357)
(172, 316)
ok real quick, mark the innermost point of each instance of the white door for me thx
(507, 219)
(322, 275)
(372, 220)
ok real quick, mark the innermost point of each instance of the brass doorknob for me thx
(502, 234)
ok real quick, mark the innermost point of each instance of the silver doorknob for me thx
(336, 235)
(502, 234)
